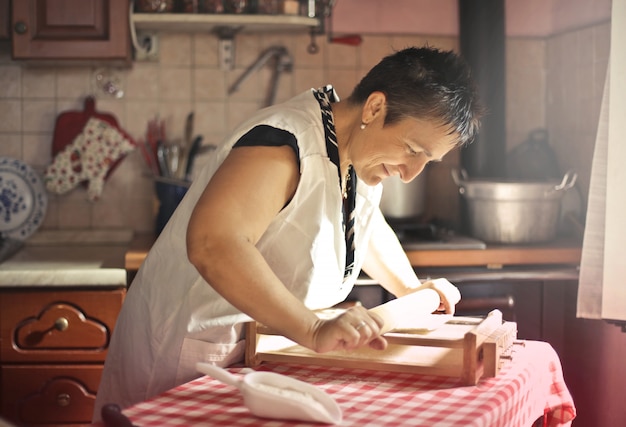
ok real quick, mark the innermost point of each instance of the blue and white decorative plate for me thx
(23, 199)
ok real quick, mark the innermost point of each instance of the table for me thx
(528, 387)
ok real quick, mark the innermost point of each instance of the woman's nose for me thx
(408, 173)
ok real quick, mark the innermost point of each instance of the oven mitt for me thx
(88, 158)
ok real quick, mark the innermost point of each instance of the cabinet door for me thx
(62, 326)
(71, 29)
(49, 394)
(5, 19)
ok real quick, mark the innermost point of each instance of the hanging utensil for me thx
(185, 146)
(191, 155)
(162, 159)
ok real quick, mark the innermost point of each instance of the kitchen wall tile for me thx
(111, 214)
(114, 107)
(343, 81)
(10, 81)
(373, 49)
(285, 88)
(74, 83)
(205, 50)
(209, 118)
(174, 114)
(141, 215)
(247, 50)
(399, 42)
(286, 40)
(138, 113)
(302, 58)
(10, 115)
(71, 104)
(310, 78)
(209, 84)
(142, 81)
(340, 56)
(10, 144)
(282, 91)
(175, 49)
(37, 150)
(246, 90)
(51, 218)
(74, 214)
(38, 83)
(238, 111)
(39, 116)
(175, 84)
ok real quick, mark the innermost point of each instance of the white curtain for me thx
(602, 286)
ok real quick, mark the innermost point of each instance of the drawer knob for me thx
(20, 27)
(61, 324)
(63, 399)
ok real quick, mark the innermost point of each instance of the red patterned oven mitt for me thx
(88, 158)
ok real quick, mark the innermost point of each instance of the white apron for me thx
(172, 318)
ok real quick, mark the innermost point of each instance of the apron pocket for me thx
(194, 351)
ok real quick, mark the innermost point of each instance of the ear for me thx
(374, 107)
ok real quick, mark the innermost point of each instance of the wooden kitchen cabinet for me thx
(52, 350)
(70, 30)
(5, 19)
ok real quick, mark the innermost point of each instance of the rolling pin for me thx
(418, 303)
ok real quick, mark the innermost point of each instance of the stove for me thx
(431, 236)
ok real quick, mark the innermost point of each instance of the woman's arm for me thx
(387, 263)
(245, 194)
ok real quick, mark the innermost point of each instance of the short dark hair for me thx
(425, 82)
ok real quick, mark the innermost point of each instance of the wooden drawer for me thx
(57, 326)
(49, 395)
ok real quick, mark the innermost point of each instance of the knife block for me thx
(465, 347)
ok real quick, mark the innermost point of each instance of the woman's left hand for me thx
(448, 293)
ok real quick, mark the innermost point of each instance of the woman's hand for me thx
(448, 293)
(354, 328)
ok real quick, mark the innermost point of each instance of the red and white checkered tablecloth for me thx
(527, 387)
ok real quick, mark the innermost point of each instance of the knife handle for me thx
(113, 417)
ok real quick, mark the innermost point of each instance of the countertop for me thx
(69, 258)
(558, 252)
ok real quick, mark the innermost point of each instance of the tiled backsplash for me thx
(542, 82)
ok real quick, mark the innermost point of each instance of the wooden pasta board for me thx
(465, 347)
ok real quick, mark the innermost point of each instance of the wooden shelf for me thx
(191, 22)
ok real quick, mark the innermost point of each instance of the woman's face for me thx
(402, 149)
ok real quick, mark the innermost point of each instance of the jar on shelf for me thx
(268, 7)
(154, 6)
(188, 6)
(211, 6)
(235, 6)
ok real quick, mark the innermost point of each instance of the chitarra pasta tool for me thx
(419, 342)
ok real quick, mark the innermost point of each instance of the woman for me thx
(283, 219)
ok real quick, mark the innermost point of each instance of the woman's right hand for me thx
(354, 328)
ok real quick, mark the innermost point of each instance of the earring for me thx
(363, 125)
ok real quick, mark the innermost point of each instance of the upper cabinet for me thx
(102, 30)
(5, 19)
(70, 29)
